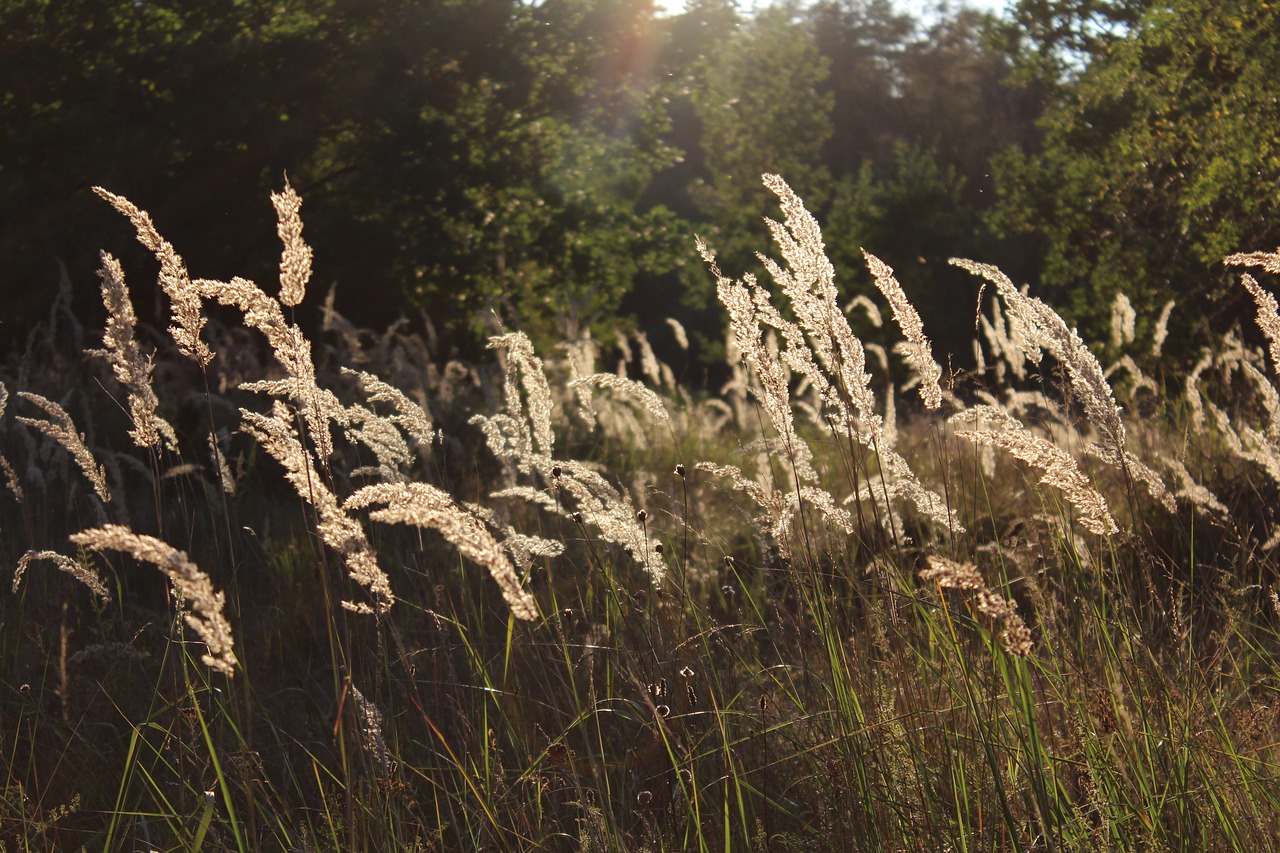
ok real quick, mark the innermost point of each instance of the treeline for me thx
(546, 165)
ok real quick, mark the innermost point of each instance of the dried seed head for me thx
(641, 516)
(558, 753)
(644, 798)
(680, 470)
(663, 711)
(556, 471)
(577, 517)
(686, 672)
(657, 548)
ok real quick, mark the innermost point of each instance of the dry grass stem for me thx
(916, 348)
(1058, 468)
(295, 260)
(85, 575)
(62, 429)
(1015, 636)
(338, 530)
(124, 354)
(186, 305)
(192, 586)
(423, 505)
(1268, 318)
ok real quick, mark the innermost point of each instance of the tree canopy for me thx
(545, 165)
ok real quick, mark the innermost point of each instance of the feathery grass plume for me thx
(1193, 492)
(371, 725)
(1015, 636)
(11, 479)
(1268, 318)
(409, 416)
(1268, 396)
(809, 284)
(820, 345)
(1191, 390)
(292, 350)
(228, 480)
(870, 308)
(952, 574)
(338, 530)
(84, 574)
(740, 299)
(10, 476)
(1162, 328)
(1123, 318)
(677, 329)
(295, 260)
(1269, 261)
(203, 606)
(124, 354)
(1140, 379)
(916, 347)
(523, 369)
(524, 440)
(648, 361)
(1058, 468)
(389, 448)
(1087, 380)
(423, 505)
(645, 396)
(580, 356)
(61, 429)
(185, 305)
(524, 549)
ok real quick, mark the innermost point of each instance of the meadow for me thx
(273, 592)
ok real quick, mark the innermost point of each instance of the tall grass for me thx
(407, 603)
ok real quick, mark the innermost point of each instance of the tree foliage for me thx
(545, 165)
(1164, 158)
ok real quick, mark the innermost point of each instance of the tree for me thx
(1163, 159)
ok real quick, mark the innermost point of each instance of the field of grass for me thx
(273, 593)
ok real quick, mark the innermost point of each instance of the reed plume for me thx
(124, 354)
(185, 304)
(202, 605)
(62, 429)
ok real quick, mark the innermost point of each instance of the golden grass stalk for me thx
(523, 369)
(743, 301)
(645, 396)
(62, 429)
(1046, 329)
(916, 348)
(124, 354)
(1268, 318)
(292, 350)
(295, 260)
(1162, 328)
(412, 418)
(185, 304)
(1058, 468)
(84, 574)
(1015, 636)
(202, 606)
(338, 530)
(423, 505)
